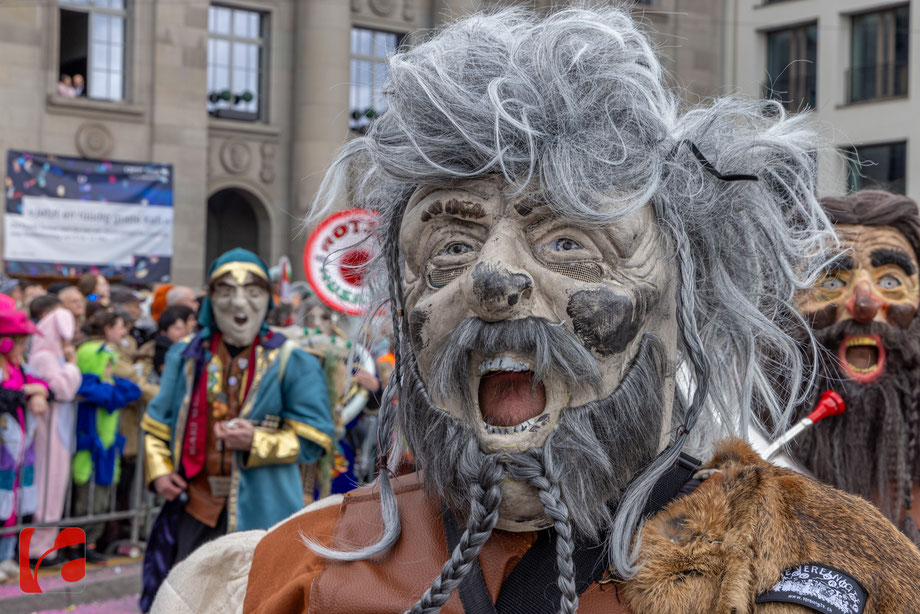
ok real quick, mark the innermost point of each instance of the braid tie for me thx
(486, 497)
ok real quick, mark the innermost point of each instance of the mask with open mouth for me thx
(481, 267)
(863, 311)
(874, 281)
(503, 205)
(240, 306)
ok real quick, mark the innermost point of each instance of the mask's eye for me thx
(888, 282)
(832, 283)
(564, 245)
(456, 249)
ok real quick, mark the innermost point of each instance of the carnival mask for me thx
(239, 309)
(866, 300)
(494, 285)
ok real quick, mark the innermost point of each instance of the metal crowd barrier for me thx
(141, 511)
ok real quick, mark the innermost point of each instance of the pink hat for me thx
(13, 322)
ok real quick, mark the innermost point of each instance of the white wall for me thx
(841, 123)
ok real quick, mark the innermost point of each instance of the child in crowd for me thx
(53, 358)
(99, 444)
(22, 398)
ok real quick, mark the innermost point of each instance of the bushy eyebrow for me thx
(884, 255)
(841, 262)
(465, 209)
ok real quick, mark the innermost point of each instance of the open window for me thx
(91, 58)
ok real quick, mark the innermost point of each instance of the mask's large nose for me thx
(863, 304)
(499, 292)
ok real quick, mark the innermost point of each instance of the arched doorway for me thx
(234, 221)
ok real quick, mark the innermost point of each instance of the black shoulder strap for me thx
(537, 568)
(670, 484)
(473, 593)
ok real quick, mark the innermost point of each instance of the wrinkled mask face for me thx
(472, 254)
(865, 302)
(239, 309)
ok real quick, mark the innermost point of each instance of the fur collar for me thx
(715, 550)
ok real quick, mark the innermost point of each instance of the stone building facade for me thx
(853, 62)
(247, 99)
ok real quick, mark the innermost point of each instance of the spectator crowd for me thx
(78, 362)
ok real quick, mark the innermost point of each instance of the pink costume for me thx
(54, 431)
(18, 496)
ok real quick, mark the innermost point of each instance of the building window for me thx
(881, 166)
(236, 39)
(792, 56)
(92, 49)
(369, 52)
(878, 54)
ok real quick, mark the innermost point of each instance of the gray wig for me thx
(574, 104)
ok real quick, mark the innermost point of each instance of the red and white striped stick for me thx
(830, 404)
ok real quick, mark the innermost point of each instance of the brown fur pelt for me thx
(715, 550)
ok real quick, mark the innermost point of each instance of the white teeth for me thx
(503, 364)
(511, 430)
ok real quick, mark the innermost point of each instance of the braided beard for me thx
(584, 466)
(872, 449)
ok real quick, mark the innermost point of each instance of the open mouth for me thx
(509, 400)
(862, 357)
(240, 319)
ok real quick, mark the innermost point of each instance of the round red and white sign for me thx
(336, 257)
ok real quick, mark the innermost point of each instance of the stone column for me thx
(179, 126)
(320, 117)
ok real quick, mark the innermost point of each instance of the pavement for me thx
(112, 588)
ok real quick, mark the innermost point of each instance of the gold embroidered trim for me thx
(239, 271)
(273, 447)
(159, 460)
(311, 433)
(156, 428)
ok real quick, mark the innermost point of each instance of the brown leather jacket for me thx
(711, 552)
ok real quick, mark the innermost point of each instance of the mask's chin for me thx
(514, 413)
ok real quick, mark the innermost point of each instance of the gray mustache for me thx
(555, 350)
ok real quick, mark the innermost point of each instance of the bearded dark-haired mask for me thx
(863, 312)
(866, 300)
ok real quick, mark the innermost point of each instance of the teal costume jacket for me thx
(289, 407)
